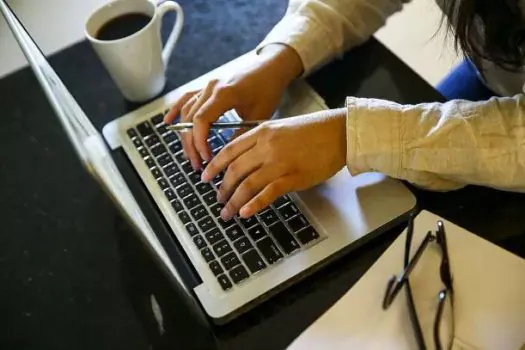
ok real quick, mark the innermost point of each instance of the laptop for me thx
(225, 268)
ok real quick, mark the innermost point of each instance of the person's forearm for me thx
(440, 146)
(283, 59)
(320, 30)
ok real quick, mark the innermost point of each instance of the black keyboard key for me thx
(225, 224)
(307, 235)
(215, 143)
(226, 134)
(145, 129)
(192, 229)
(198, 212)
(162, 129)
(279, 202)
(171, 169)
(152, 140)
(195, 178)
(230, 260)
(203, 187)
(132, 133)
(184, 190)
(269, 217)
(216, 209)
(269, 250)
(253, 260)
(137, 142)
(224, 282)
(143, 152)
(210, 198)
(199, 241)
(175, 147)
(165, 160)
(184, 217)
(170, 194)
(216, 268)
(298, 223)
(156, 120)
(170, 137)
(187, 168)
(284, 238)
(158, 150)
(217, 180)
(222, 248)
(238, 274)
(216, 151)
(180, 157)
(242, 245)
(150, 162)
(214, 236)
(207, 254)
(177, 180)
(156, 172)
(235, 232)
(177, 205)
(257, 232)
(289, 211)
(163, 183)
(191, 201)
(206, 224)
(249, 222)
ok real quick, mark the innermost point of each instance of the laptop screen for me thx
(89, 144)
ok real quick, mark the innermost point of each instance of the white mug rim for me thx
(129, 37)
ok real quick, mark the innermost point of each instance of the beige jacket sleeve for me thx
(435, 146)
(440, 146)
(321, 30)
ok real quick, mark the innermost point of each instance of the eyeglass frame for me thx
(395, 283)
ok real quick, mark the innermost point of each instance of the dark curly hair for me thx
(492, 30)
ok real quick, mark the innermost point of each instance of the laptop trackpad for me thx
(351, 207)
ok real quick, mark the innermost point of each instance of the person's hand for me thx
(254, 92)
(278, 157)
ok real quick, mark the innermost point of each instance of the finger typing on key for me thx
(278, 157)
(254, 91)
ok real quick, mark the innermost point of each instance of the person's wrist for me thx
(283, 60)
(337, 118)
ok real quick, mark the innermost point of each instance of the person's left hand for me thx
(278, 157)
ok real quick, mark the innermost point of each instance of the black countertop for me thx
(72, 276)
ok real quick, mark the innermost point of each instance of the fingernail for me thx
(219, 197)
(196, 166)
(244, 212)
(204, 176)
(225, 214)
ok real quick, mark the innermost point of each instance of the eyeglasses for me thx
(396, 283)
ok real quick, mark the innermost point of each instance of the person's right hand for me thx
(254, 92)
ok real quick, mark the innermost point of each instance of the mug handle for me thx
(177, 27)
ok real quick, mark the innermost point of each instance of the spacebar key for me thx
(269, 250)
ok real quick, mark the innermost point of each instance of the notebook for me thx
(489, 298)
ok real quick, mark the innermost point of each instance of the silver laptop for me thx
(236, 264)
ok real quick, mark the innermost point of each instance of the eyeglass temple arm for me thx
(396, 283)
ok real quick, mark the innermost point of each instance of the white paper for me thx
(489, 301)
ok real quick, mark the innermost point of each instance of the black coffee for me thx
(123, 26)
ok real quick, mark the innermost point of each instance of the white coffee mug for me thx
(137, 63)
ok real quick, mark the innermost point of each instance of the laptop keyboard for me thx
(235, 249)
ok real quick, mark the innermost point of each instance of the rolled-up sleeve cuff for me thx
(374, 136)
(309, 39)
